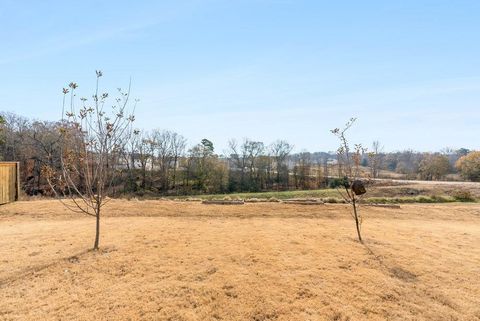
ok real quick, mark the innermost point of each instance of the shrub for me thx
(463, 196)
(441, 199)
(424, 199)
(336, 182)
(469, 166)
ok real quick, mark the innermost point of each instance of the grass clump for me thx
(409, 199)
(463, 196)
(273, 199)
(333, 200)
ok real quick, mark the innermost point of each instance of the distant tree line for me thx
(162, 162)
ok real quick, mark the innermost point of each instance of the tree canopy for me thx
(469, 166)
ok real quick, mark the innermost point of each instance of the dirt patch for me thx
(402, 274)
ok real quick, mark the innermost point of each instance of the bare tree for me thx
(254, 151)
(350, 163)
(143, 155)
(129, 153)
(166, 147)
(239, 156)
(164, 155)
(101, 133)
(2, 134)
(375, 158)
(14, 137)
(178, 143)
(434, 167)
(279, 151)
(325, 171)
(302, 170)
(248, 163)
(151, 148)
(43, 141)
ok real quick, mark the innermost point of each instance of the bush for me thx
(469, 166)
(463, 196)
(441, 199)
(337, 182)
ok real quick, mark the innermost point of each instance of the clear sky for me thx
(263, 69)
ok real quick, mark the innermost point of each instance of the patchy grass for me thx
(330, 196)
(165, 260)
(383, 191)
(319, 193)
(396, 194)
(412, 199)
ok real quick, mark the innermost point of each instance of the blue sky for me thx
(263, 69)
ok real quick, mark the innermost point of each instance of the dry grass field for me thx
(165, 260)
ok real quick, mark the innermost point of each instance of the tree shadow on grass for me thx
(39, 268)
(392, 270)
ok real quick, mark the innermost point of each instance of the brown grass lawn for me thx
(165, 260)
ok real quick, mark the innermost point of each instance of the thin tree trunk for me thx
(175, 175)
(97, 229)
(325, 172)
(288, 178)
(143, 184)
(278, 176)
(39, 178)
(357, 223)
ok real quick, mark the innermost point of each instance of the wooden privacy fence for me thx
(9, 182)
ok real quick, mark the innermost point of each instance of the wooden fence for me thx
(9, 182)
